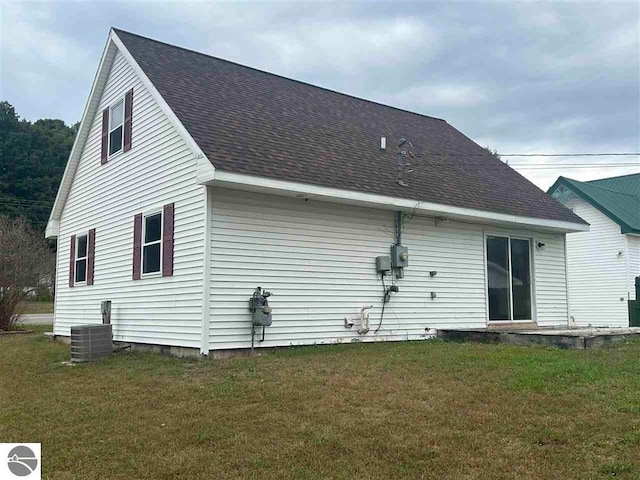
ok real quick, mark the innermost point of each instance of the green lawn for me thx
(36, 307)
(402, 410)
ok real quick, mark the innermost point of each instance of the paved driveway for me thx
(37, 319)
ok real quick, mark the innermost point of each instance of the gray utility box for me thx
(383, 264)
(399, 256)
(91, 342)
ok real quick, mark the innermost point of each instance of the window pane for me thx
(151, 258)
(152, 228)
(81, 270)
(498, 278)
(115, 141)
(82, 246)
(116, 116)
(521, 279)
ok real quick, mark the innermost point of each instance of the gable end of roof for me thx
(621, 208)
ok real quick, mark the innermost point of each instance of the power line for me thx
(556, 155)
(622, 154)
(26, 201)
(592, 165)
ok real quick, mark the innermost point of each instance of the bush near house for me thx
(377, 411)
(25, 262)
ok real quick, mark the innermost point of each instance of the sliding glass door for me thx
(509, 278)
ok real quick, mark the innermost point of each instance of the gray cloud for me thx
(519, 77)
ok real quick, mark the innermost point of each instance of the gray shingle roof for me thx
(256, 123)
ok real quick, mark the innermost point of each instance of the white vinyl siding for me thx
(550, 304)
(160, 169)
(597, 266)
(318, 260)
(550, 281)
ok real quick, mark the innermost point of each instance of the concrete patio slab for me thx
(578, 338)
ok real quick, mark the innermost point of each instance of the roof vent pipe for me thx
(383, 143)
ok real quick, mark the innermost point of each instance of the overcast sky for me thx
(523, 77)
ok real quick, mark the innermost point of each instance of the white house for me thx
(194, 180)
(603, 262)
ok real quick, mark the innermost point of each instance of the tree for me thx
(32, 160)
(493, 153)
(26, 263)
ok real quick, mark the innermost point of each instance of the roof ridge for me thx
(611, 178)
(307, 134)
(278, 75)
(604, 188)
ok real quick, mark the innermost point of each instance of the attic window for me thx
(116, 127)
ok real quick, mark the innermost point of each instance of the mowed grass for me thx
(377, 411)
(36, 307)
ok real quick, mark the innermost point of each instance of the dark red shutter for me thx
(72, 260)
(167, 240)
(105, 136)
(137, 245)
(128, 115)
(91, 254)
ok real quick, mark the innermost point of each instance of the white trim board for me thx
(204, 167)
(90, 110)
(206, 275)
(281, 187)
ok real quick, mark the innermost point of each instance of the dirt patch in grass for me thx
(403, 410)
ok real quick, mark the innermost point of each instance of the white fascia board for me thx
(205, 169)
(280, 187)
(52, 229)
(90, 108)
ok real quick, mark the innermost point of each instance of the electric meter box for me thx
(399, 256)
(383, 264)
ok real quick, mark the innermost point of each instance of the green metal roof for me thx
(616, 197)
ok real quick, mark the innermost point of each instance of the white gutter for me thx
(281, 187)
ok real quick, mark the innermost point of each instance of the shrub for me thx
(26, 261)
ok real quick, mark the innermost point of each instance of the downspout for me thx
(206, 272)
(570, 320)
(628, 278)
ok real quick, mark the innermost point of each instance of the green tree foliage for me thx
(32, 160)
(493, 153)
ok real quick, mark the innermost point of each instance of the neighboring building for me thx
(603, 262)
(194, 180)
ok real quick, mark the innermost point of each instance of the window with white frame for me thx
(81, 259)
(116, 127)
(152, 243)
